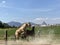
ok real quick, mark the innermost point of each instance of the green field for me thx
(50, 30)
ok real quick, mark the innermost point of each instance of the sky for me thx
(35, 11)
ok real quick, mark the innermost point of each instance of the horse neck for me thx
(23, 26)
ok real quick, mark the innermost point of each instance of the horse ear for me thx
(26, 24)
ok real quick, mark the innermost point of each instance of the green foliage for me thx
(29, 28)
(38, 30)
(1, 24)
(11, 32)
(4, 25)
(50, 30)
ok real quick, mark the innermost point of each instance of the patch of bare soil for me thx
(36, 41)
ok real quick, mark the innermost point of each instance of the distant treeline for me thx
(5, 25)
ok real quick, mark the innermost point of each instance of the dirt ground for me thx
(27, 43)
(37, 41)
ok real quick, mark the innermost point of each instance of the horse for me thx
(29, 33)
(21, 30)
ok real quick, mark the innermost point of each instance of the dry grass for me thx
(36, 41)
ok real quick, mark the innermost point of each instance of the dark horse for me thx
(29, 33)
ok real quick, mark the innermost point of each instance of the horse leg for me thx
(23, 35)
(16, 36)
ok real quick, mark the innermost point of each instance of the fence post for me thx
(6, 35)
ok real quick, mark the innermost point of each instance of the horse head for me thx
(28, 24)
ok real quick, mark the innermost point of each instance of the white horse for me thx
(21, 30)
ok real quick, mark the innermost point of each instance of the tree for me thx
(5, 25)
(1, 24)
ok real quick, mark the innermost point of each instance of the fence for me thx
(39, 31)
(9, 34)
(54, 32)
